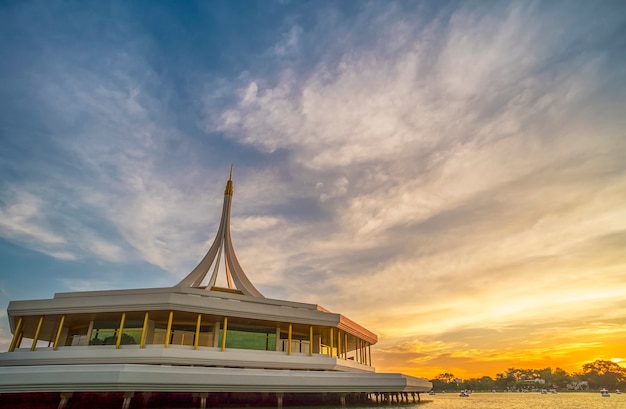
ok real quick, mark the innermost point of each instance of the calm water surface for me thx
(501, 400)
(533, 400)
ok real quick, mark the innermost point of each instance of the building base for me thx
(169, 400)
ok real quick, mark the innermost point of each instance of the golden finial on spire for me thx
(229, 184)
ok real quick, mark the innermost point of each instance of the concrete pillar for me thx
(65, 397)
(150, 331)
(279, 400)
(128, 396)
(317, 343)
(279, 344)
(216, 334)
(63, 337)
(342, 399)
(89, 331)
(146, 398)
(203, 396)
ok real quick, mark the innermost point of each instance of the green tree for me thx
(112, 340)
(603, 374)
(521, 374)
(443, 382)
(486, 383)
(446, 377)
(545, 374)
(504, 381)
(560, 378)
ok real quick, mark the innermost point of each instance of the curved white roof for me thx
(237, 279)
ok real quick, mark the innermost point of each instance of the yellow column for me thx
(369, 354)
(362, 351)
(144, 330)
(168, 333)
(331, 343)
(89, 331)
(119, 332)
(289, 340)
(39, 324)
(56, 339)
(16, 334)
(224, 334)
(338, 344)
(216, 334)
(197, 337)
(311, 340)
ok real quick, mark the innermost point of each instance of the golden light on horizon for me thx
(475, 352)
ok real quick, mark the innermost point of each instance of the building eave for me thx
(131, 377)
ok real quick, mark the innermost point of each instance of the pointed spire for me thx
(229, 184)
(235, 276)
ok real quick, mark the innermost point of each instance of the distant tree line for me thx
(595, 375)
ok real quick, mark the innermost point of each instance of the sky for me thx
(451, 175)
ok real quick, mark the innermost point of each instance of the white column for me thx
(278, 341)
(216, 333)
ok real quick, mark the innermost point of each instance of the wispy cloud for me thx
(484, 127)
(22, 218)
(477, 157)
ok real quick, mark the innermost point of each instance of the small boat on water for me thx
(544, 392)
(618, 392)
(431, 393)
(605, 393)
(464, 394)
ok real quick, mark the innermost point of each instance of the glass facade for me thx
(260, 341)
(179, 328)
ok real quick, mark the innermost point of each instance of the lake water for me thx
(502, 400)
(531, 400)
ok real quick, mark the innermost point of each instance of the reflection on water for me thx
(578, 400)
(501, 400)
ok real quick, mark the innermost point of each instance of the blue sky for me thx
(449, 174)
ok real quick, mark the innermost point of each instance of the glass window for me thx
(260, 341)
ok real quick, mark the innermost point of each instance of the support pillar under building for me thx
(203, 396)
(128, 396)
(65, 397)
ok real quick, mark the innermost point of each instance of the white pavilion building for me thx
(191, 344)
